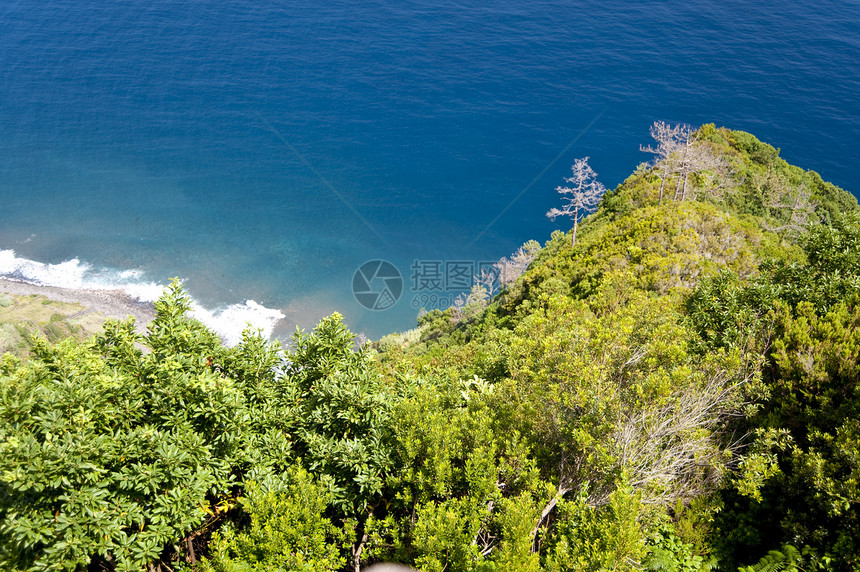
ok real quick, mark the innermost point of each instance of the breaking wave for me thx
(229, 322)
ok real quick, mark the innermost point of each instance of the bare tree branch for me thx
(510, 270)
(797, 201)
(583, 195)
(695, 165)
(670, 141)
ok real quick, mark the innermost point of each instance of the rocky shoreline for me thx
(110, 303)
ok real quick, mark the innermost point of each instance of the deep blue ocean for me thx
(265, 150)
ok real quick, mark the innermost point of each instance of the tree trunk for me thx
(663, 180)
(356, 553)
(192, 558)
(678, 188)
(686, 180)
(562, 490)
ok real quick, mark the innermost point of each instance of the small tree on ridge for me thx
(583, 195)
(670, 142)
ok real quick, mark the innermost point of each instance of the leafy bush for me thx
(111, 455)
(288, 529)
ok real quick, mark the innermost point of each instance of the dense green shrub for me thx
(288, 529)
(676, 391)
(105, 459)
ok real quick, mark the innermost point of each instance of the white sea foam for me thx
(231, 321)
(68, 274)
(228, 322)
(143, 291)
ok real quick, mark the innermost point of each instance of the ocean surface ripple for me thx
(262, 151)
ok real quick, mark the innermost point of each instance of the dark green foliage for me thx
(113, 461)
(762, 174)
(595, 539)
(832, 271)
(808, 494)
(786, 560)
(339, 410)
(724, 312)
(799, 478)
(467, 495)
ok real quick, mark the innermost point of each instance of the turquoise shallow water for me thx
(265, 151)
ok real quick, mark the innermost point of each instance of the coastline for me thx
(109, 303)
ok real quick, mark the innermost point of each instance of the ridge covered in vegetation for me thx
(675, 391)
(21, 315)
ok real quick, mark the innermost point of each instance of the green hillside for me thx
(21, 316)
(675, 389)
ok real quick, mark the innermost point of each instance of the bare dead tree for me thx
(716, 175)
(457, 308)
(686, 163)
(466, 306)
(670, 141)
(360, 340)
(510, 269)
(797, 200)
(670, 451)
(581, 196)
(711, 171)
(667, 450)
(483, 289)
(679, 153)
